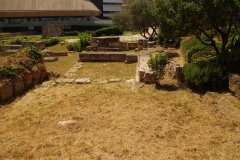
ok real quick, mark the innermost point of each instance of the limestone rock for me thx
(18, 84)
(82, 81)
(234, 84)
(63, 123)
(115, 80)
(5, 90)
(28, 79)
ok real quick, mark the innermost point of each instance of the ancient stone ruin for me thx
(52, 30)
(29, 75)
(109, 49)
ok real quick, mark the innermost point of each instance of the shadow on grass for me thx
(166, 87)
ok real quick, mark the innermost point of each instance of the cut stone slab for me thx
(130, 81)
(78, 65)
(48, 84)
(69, 75)
(63, 123)
(143, 71)
(72, 70)
(43, 89)
(131, 58)
(172, 53)
(50, 59)
(100, 81)
(115, 80)
(65, 80)
(82, 81)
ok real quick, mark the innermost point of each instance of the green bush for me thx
(108, 31)
(76, 46)
(3, 47)
(157, 64)
(92, 33)
(8, 71)
(51, 42)
(85, 40)
(209, 73)
(193, 48)
(17, 40)
(71, 33)
(34, 53)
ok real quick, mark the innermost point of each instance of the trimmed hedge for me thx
(108, 31)
(51, 42)
(71, 33)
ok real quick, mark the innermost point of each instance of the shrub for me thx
(157, 64)
(17, 40)
(92, 33)
(71, 33)
(3, 47)
(84, 40)
(200, 74)
(76, 46)
(34, 53)
(108, 31)
(51, 42)
(8, 71)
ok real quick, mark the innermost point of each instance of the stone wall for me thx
(52, 30)
(40, 45)
(23, 81)
(113, 44)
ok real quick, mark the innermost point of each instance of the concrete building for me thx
(34, 13)
(108, 6)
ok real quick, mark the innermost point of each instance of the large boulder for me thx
(39, 73)
(234, 84)
(28, 79)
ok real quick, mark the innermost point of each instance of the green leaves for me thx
(157, 64)
(8, 71)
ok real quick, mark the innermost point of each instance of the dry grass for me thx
(108, 70)
(114, 122)
(63, 64)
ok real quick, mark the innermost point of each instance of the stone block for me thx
(117, 57)
(150, 44)
(115, 80)
(83, 57)
(88, 48)
(132, 45)
(101, 49)
(50, 59)
(131, 58)
(112, 49)
(14, 47)
(114, 44)
(94, 44)
(6, 53)
(172, 53)
(124, 46)
(82, 81)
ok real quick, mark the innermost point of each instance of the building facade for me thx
(108, 7)
(37, 13)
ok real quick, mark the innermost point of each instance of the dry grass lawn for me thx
(114, 122)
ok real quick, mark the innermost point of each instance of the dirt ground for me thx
(113, 122)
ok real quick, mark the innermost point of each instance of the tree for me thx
(202, 18)
(138, 15)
